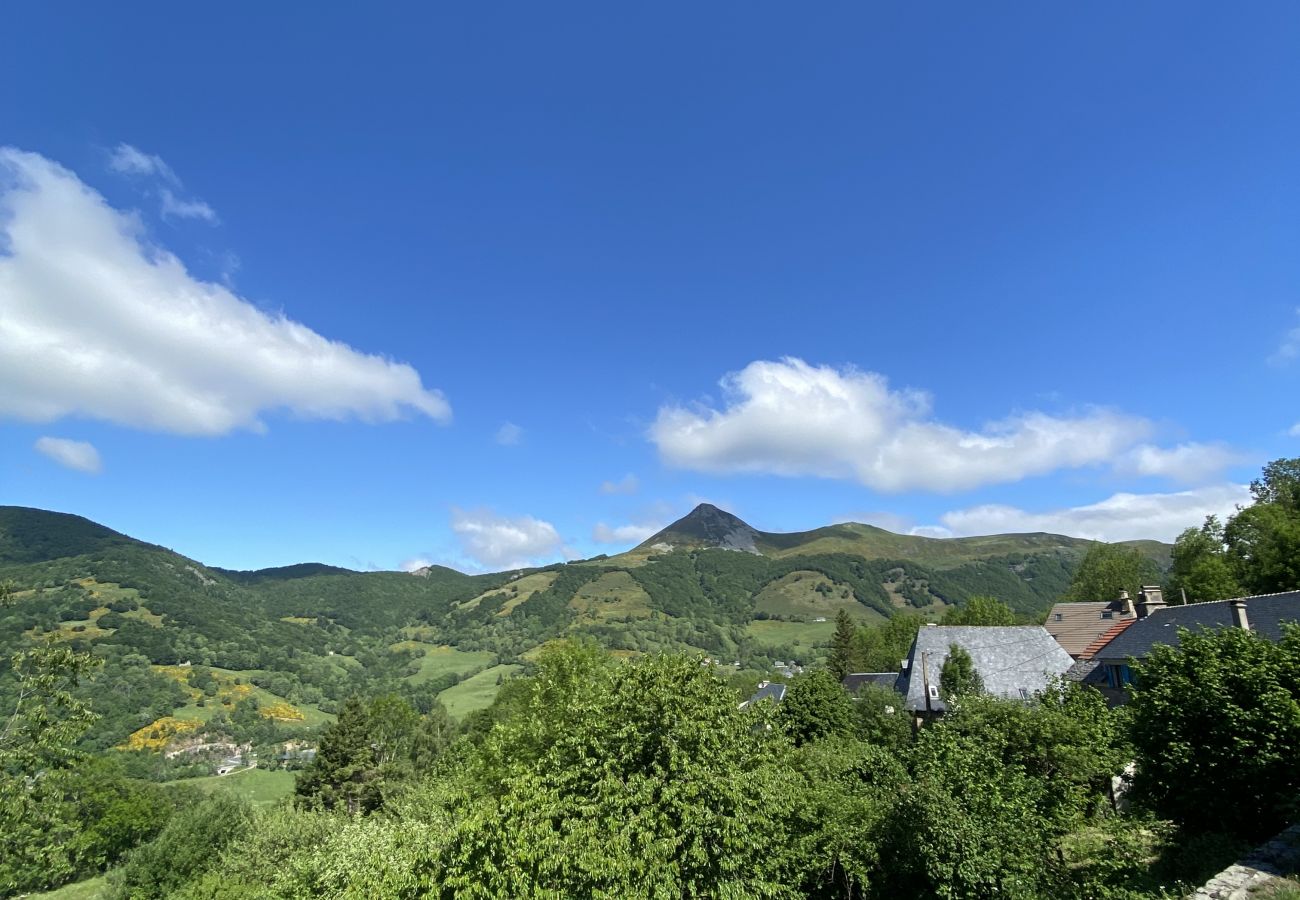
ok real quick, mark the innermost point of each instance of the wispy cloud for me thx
(127, 160)
(78, 455)
(174, 207)
(98, 322)
(628, 484)
(509, 434)
(629, 533)
(1120, 517)
(1289, 347)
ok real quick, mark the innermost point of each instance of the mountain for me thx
(305, 637)
(706, 527)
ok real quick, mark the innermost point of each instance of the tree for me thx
(188, 846)
(885, 646)
(1216, 729)
(344, 774)
(1279, 484)
(980, 610)
(656, 787)
(844, 645)
(1264, 545)
(815, 706)
(958, 677)
(1107, 569)
(1201, 568)
(37, 747)
(967, 826)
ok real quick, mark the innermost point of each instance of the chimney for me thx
(1239, 614)
(1126, 609)
(1152, 599)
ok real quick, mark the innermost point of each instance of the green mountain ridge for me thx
(311, 634)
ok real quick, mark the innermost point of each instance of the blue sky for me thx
(510, 283)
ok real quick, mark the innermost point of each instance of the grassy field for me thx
(801, 634)
(475, 692)
(91, 889)
(516, 591)
(614, 595)
(439, 659)
(796, 594)
(261, 786)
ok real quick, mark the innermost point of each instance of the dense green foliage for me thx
(588, 776)
(958, 677)
(1216, 725)
(1257, 551)
(1108, 569)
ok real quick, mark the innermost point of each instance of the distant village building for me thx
(856, 681)
(767, 690)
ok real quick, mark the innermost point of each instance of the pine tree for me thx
(344, 774)
(842, 646)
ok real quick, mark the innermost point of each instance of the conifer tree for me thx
(843, 644)
(344, 773)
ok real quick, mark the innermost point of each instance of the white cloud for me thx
(622, 534)
(1289, 348)
(1294, 430)
(790, 418)
(500, 542)
(97, 322)
(628, 484)
(509, 434)
(1120, 517)
(173, 206)
(77, 455)
(415, 564)
(1187, 462)
(127, 160)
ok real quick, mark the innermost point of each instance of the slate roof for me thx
(1008, 659)
(769, 690)
(1076, 625)
(854, 681)
(1265, 613)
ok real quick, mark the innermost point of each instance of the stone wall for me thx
(1266, 866)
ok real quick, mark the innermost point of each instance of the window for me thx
(1058, 617)
(1108, 614)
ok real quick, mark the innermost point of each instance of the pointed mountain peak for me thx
(706, 526)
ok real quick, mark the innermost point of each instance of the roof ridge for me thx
(1161, 609)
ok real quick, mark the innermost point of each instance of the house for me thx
(855, 681)
(1077, 626)
(767, 690)
(1013, 662)
(1156, 624)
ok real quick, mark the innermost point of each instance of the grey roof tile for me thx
(1266, 613)
(1013, 662)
